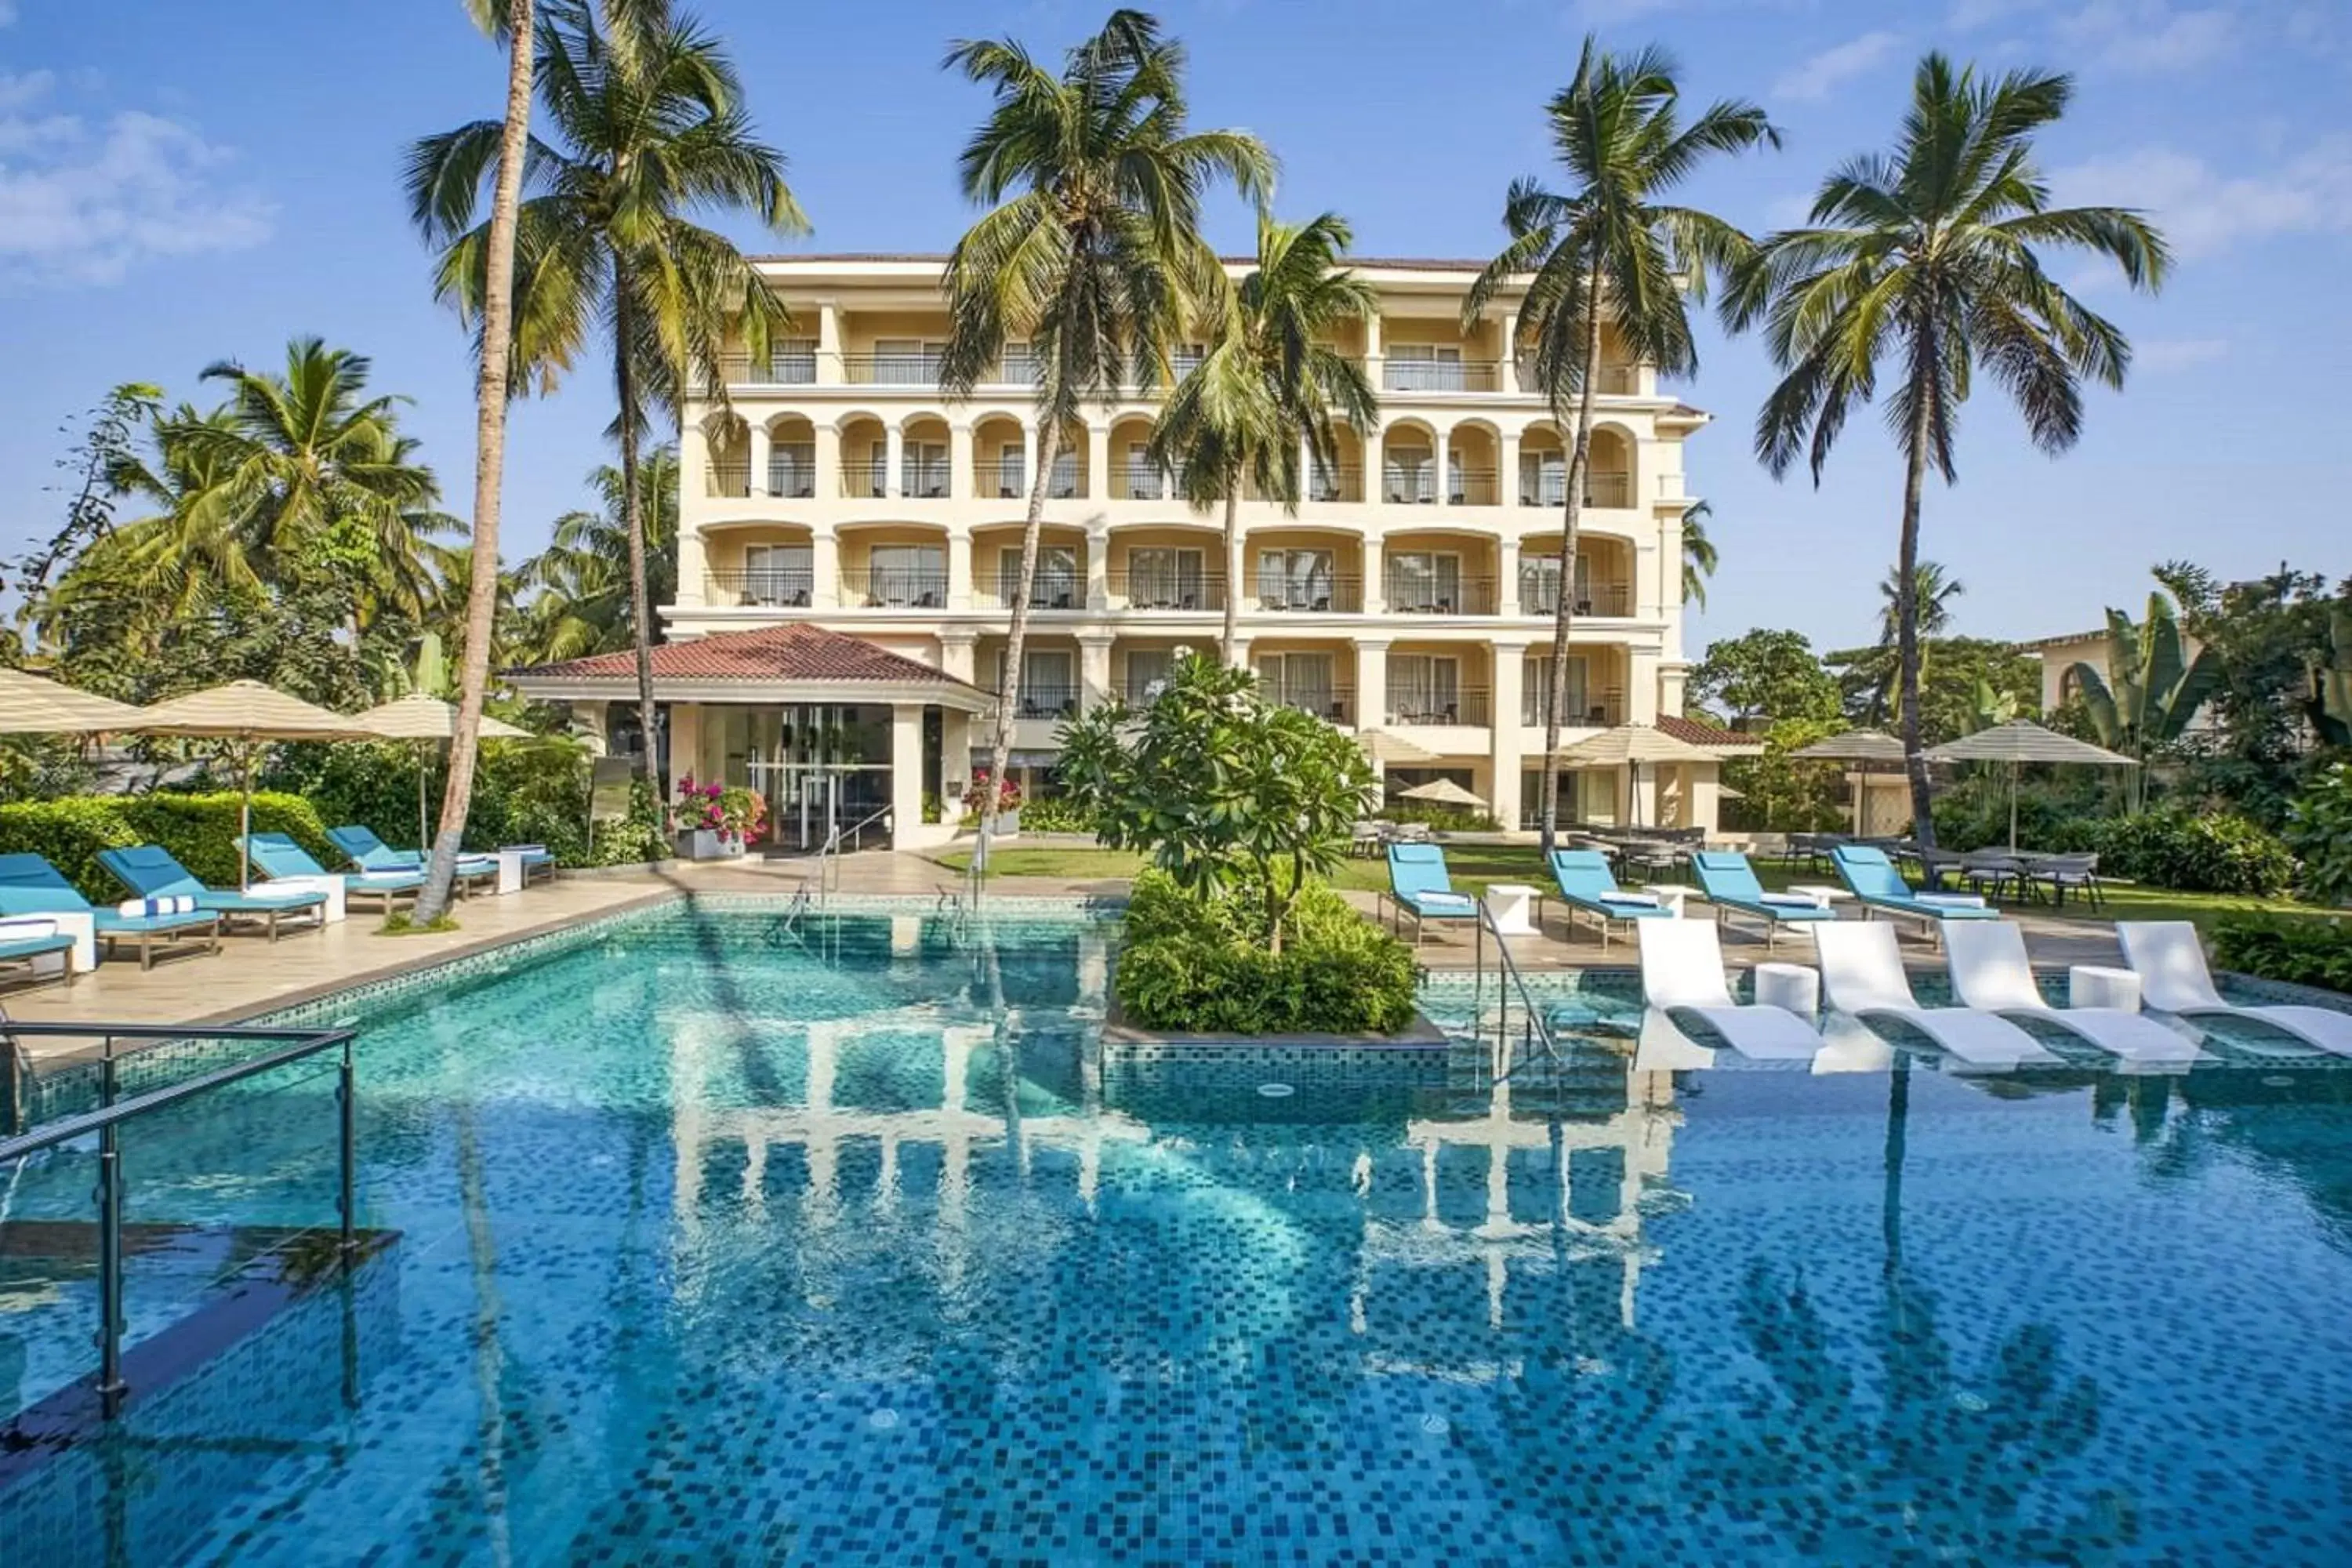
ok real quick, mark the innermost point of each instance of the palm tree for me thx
(1928, 257)
(583, 602)
(646, 113)
(1699, 560)
(1090, 250)
(1607, 247)
(513, 22)
(1269, 383)
(1933, 590)
(2150, 690)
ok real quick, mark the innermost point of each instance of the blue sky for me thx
(191, 183)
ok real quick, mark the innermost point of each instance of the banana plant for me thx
(2150, 690)
(2331, 683)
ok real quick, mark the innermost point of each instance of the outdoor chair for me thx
(29, 885)
(1862, 977)
(2171, 963)
(1681, 977)
(1873, 880)
(1418, 883)
(369, 853)
(2079, 873)
(275, 854)
(152, 871)
(25, 940)
(1586, 883)
(1730, 884)
(1991, 973)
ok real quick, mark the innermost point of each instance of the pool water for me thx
(721, 1244)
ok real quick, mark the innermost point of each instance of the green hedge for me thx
(1199, 967)
(2189, 852)
(2303, 951)
(197, 828)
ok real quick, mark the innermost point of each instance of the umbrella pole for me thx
(245, 817)
(2013, 808)
(423, 839)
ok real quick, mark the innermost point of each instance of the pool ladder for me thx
(1534, 1026)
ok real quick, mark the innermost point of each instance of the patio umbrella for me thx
(1628, 746)
(2017, 742)
(418, 716)
(1446, 792)
(1388, 750)
(32, 706)
(248, 715)
(1871, 750)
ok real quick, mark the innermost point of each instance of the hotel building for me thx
(1411, 591)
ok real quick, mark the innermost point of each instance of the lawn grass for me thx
(1476, 867)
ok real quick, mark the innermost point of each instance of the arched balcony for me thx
(1132, 475)
(1473, 450)
(1170, 565)
(1609, 480)
(791, 458)
(1303, 570)
(1313, 675)
(865, 458)
(1439, 571)
(923, 458)
(1604, 577)
(1059, 582)
(1408, 464)
(728, 442)
(893, 566)
(1000, 459)
(758, 564)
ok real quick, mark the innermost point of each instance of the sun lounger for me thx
(152, 871)
(1417, 882)
(276, 855)
(1862, 976)
(1729, 884)
(1991, 973)
(1682, 976)
(1586, 883)
(1873, 880)
(370, 853)
(29, 885)
(2170, 963)
(28, 939)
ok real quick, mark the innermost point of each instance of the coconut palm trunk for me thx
(632, 504)
(490, 398)
(1008, 700)
(1229, 644)
(1564, 613)
(1906, 603)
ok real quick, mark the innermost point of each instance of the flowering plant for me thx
(975, 795)
(745, 812)
(698, 806)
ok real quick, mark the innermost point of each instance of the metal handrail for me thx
(107, 1121)
(1537, 1025)
(828, 858)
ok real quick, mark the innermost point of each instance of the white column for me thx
(824, 569)
(1238, 580)
(1508, 688)
(686, 739)
(1098, 569)
(959, 568)
(828, 344)
(1508, 377)
(1098, 475)
(963, 479)
(957, 655)
(693, 469)
(1507, 576)
(955, 755)
(894, 452)
(1441, 454)
(1507, 469)
(1094, 670)
(759, 449)
(1373, 358)
(589, 718)
(1376, 584)
(1371, 682)
(828, 461)
(905, 768)
(1029, 449)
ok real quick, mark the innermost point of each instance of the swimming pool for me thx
(718, 1242)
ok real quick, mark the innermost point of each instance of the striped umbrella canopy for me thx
(1384, 748)
(1446, 792)
(2017, 742)
(418, 716)
(1854, 746)
(247, 715)
(1629, 746)
(30, 705)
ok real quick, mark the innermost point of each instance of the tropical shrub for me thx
(1055, 814)
(2301, 952)
(1440, 817)
(2213, 853)
(197, 828)
(2320, 831)
(1202, 964)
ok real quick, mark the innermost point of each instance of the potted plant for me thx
(1008, 804)
(704, 832)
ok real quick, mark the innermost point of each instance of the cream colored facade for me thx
(1413, 591)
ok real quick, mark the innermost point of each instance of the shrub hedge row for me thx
(2301, 952)
(1198, 965)
(2212, 852)
(198, 829)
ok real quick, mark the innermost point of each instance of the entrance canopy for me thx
(792, 663)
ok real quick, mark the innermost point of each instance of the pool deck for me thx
(251, 976)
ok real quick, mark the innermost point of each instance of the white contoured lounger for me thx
(1862, 976)
(2170, 963)
(1681, 974)
(1991, 972)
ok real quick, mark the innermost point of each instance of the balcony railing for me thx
(1067, 482)
(786, 587)
(1465, 705)
(782, 367)
(1418, 596)
(1608, 489)
(1339, 482)
(868, 480)
(922, 482)
(1046, 702)
(1540, 595)
(895, 587)
(1549, 488)
(1001, 482)
(1614, 381)
(792, 472)
(1320, 596)
(1047, 590)
(1441, 376)
(1167, 591)
(1596, 710)
(1335, 704)
(730, 477)
(1472, 487)
(891, 369)
(1136, 481)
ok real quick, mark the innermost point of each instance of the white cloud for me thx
(2156, 356)
(2149, 35)
(7, 13)
(1815, 79)
(83, 202)
(24, 91)
(2202, 211)
(1968, 15)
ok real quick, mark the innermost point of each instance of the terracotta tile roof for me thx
(939, 258)
(1699, 734)
(795, 651)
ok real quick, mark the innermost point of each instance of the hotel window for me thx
(1159, 577)
(1300, 681)
(1142, 481)
(1012, 471)
(908, 575)
(791, 470)
(1424, 367)
(1543, 479)
(1409, 475)
(792, 361)
(1534, 701)
(1049, 688)
(1185, 358)
(907, 361)
(1322, 479)
(871, 477)
(1539, 584)
(777, 574)
(1064, 485)
(1146, 671)
(1424, 582)
(923, 471)
(1294, 579)
(1021, 366)
(1055, 585)
(1424, 689)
